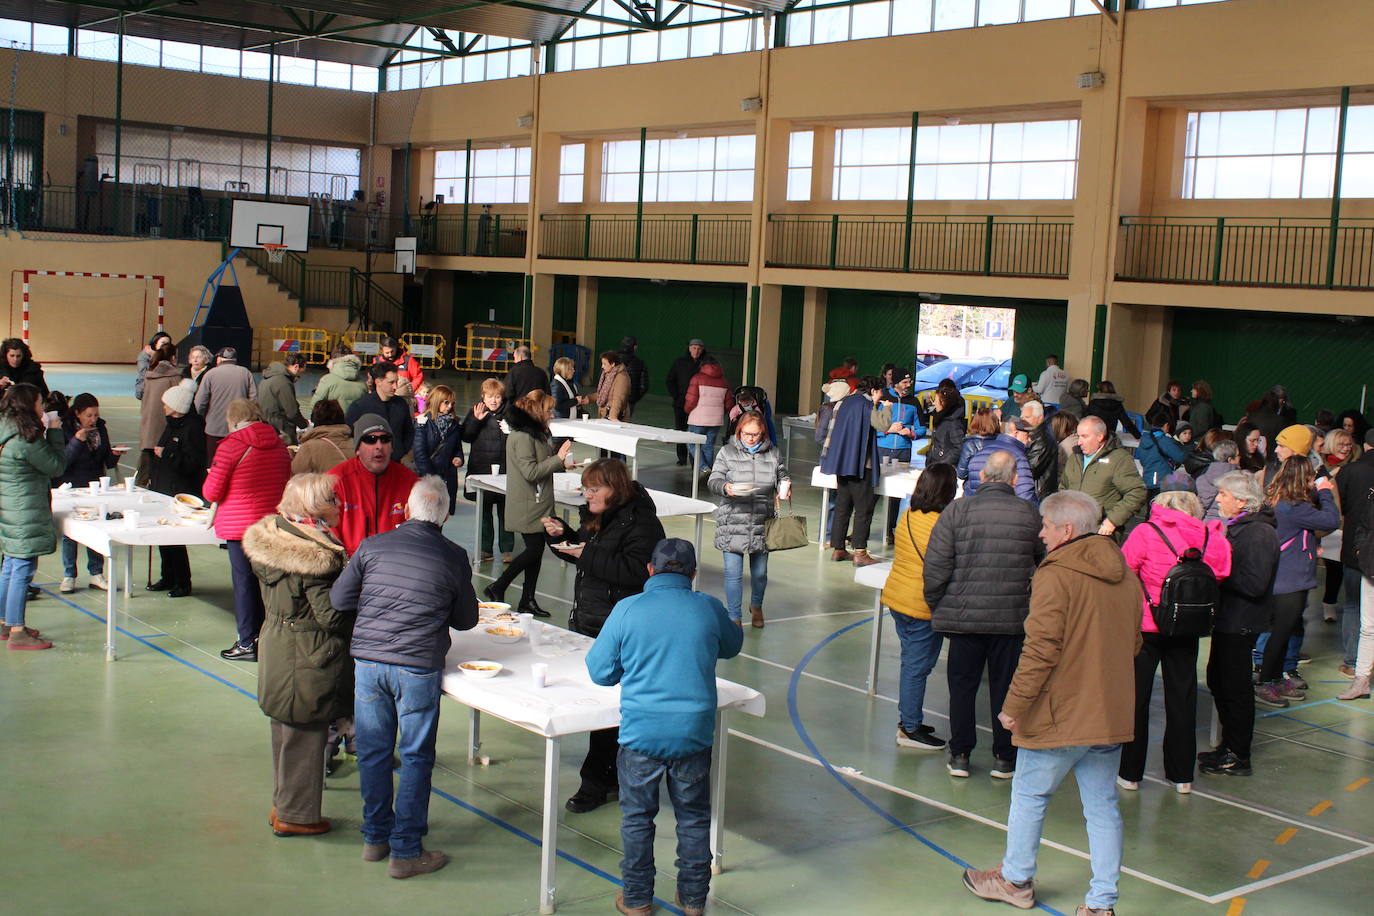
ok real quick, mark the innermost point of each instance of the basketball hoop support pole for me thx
(212, 284)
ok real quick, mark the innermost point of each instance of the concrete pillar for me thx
(539, 312)
(767, 328)
(812, 349)
(1077, 358)
(586, 319)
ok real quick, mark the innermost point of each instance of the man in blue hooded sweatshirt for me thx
(661, 647)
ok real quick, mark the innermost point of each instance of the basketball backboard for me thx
(405, 255)
(254, 223)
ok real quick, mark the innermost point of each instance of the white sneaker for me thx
(98, 581)
(68, 586)
(1183, 788)
(1127, 785)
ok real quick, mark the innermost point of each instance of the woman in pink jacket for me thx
(1175, 516)
(708, 401)
(246, 479)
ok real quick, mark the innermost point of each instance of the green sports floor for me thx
(143, 786)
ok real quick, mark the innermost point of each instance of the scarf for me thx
(603, 387)
(443, 423)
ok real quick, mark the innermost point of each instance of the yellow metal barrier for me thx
(975, 402)
(271, 344)
(364, 343)
(428, 349)
(488, 348)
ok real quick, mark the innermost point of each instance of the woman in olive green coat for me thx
(31, 454)
(305, 674)
(531, 463)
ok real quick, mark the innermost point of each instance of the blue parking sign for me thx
(992, 330)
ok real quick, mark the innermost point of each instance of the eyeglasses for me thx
(374, 439)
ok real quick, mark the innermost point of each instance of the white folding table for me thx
(806, 424)
(875, 577)
(624, 438)
(897, 481)
(567, 492)
(570, 704)
(114, 541)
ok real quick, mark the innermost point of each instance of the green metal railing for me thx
(689, 238)
(1248, 251)
(129, 210)
(1021, 246)
(493, 235)
(335, 286)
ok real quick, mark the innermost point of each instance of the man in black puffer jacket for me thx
(982, 553)
(635, 369)
(408, 587)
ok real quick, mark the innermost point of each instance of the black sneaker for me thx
(1003, 768)
(240, 653)
(585, 801)
(1228, 764)
(922, 739)
(1295, 680)
(958, 765)
(1209, 758)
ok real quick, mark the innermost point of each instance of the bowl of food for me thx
(504, 633)
(189, 501)
(743, 489)
(85, 513)
(491, 608)
(480, 668)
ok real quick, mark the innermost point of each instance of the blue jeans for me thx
(95, 563)
(15, 575)
(734, 580)
(689, 789)
(708, 451)
(1290, 659)
(920, 649)
(385, 698)
(1350, 615)
(1038, 774)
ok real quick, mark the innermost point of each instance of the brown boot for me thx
(427, 861)
(756, 617)
(24, 638)
(1359, 690)
(863, 558)
(839, 555)
(376, 852)
(286, 828)
(631, 910)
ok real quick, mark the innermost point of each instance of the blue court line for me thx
(821, 759)
(586, 866)
(1325, 729)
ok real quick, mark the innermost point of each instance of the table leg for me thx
(477, 529)
(696, 468)
(548, 853)
(718, 796)
(111, 594)
(825, 518)
(634, 466)
(787, 444)
(696, 539)
(877, 643)
(128, 573)
(474, 735)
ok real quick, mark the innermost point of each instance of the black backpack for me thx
(1188, 598)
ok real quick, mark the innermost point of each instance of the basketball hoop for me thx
(274, 252)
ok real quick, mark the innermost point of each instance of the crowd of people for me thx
(1046, 553)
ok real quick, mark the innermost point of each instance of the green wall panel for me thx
(1040, 328)
(874, 328)
(565, 304)
(1242, 354)
(664, 316)
(475, 294)
(789, 350)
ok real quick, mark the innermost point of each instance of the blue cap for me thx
(674, 555)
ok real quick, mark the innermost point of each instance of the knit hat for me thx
(1297, 437)
(1182, 425)
(836, 389)
(179, 397)
(369, 424)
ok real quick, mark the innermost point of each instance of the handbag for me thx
(785, 532)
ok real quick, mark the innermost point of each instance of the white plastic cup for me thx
(496, 469)
(539, 675)
(535, 630)
(128, 485)
(130, 519)
(525, 621)
(104, 483)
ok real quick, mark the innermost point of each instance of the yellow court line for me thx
(1258, 868)
(1319, 808)
(1237, 906)
(1356, 784)
(1283, 838)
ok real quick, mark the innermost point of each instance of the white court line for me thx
(1291, 875)
(1275, 815)
(977, 818)
(867, 610)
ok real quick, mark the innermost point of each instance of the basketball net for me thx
(274, 252)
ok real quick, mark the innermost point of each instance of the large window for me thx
(1031, 160)
(800, 149)
(499, 176)
(486, 57)
(176, 158)
(698, 31)
(572, 169)
(1283, 153)
(691, 169)
(806, 26)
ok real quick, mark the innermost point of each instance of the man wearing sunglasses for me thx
(372, 488)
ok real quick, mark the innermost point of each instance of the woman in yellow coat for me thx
(904, 594)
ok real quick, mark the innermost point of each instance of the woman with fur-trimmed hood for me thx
(305, 673)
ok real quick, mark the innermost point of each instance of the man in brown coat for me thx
(1070, 706)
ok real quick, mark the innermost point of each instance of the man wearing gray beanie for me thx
(372, 489)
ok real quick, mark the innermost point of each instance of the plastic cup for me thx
(128, 485)
(534, 629)
(525, 621)
(104, 483)
(539, 674)
(130, 519)
(496, 469)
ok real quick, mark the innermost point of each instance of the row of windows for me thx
(162, 156)
(178, 55)
(490, 57)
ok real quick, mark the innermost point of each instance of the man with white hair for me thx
(524, 376)
(1069, 709)
(1042, 451)
(408, 587)
(1101, 468)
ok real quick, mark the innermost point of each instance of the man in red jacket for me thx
(394, 352)
(372, 489)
